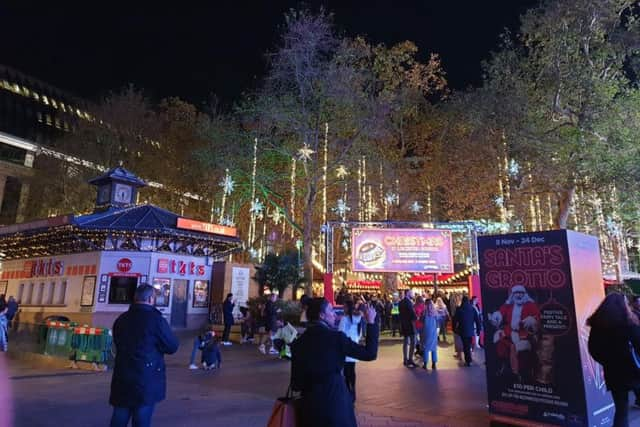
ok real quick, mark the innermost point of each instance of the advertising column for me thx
(538, 290)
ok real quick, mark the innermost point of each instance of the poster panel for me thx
(163, 291)
(240, 285)
(532, 349)
(200, 294)
(88, 291)
(402, 250)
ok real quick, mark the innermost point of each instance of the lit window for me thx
(21, 293)
(52, 289)
(62, 106)
(45, 99)
(28, 296)
(25, 91)
(54, 103)
(36, 96)
(5, 84)
(58, 123)
(16, 88)
(78, 112)
(49, 120)
(62, 292)
(39, 294)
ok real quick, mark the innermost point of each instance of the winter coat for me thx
(352, 330)
(227, 311)
(419, 309)
(429, 333)
(466, 321)
(270, 316)
(316, 371)
(610, 348)
(211, 351)
(407, 317)
(142, 337)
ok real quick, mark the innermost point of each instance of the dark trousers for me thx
(466, 347)
(621, 400)
(140, 416)
(408, 347)
(225, 333)
(350, 378)
(395, 322)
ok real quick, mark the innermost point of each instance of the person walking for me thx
(227, 313)
(350, 325)
(429, 334)
(142, 337)
(407, 328)
(318, 358)
(443, 318)
(465, 322)
(419, 310)
(12, 306)
(271, 323)
(613, 328)
(476, 338)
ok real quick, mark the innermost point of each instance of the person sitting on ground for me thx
(197, 345)
(283, 338)
(211, 356)
(247, 326)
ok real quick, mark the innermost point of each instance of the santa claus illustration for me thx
(517, 322)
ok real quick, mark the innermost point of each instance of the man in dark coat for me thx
(227, 313)
(142, 337)
(317, 360)
(408, 328)
(465, 323)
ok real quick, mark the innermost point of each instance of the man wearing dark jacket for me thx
(465, 322)
(407, 328)
(227, 313)
(317, 360)
(142, 337)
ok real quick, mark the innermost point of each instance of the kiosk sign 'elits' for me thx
(124, 265)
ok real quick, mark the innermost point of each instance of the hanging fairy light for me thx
(227, 188)
(276, 216)
(252, 221)
(257, 208)
(324, 172)
(513, 168)
(293, 194)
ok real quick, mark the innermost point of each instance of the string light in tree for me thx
(252, 222)
(415, 208)
(391, 198)
(499, 201)
(257, 208)
(276, 216)
(514, 168)
(227, 188)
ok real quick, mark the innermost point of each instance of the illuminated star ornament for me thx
(253, 253)
(341, 208)
(415, 208)
(227, 184)
(276, 216)
(341, 172)
(499, 201)
(373, 210)
(514, 168)
(391, 198)
(305, 153)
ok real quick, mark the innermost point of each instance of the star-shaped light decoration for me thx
(391, 198)
(415, 208)
(276, 216)
(373, 210)
(227, 184)
(345, 244)
(499, 201)
(256, 207)
(226, 221)
(341, 172)
(341, 208)
(514, 168)
(253, 253)
(305, 153)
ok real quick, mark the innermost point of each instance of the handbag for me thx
(285, 411)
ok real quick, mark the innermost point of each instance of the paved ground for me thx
(242, 392)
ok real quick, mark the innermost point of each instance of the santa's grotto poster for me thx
(538, 368)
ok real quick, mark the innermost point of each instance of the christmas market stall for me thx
(87, 267)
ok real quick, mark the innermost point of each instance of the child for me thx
(211, 356)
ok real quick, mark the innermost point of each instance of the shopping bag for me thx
(285, 411)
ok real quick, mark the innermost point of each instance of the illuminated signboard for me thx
(206, 227)
(402, 250)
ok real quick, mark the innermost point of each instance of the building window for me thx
(121, 289)
(50, 292)
(28, 297)
(21, 293)
(62, 292)
(45, 100)
(39, 294)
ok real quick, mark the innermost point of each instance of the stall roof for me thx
(101, 230)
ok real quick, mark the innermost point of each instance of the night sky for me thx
(218, 47)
